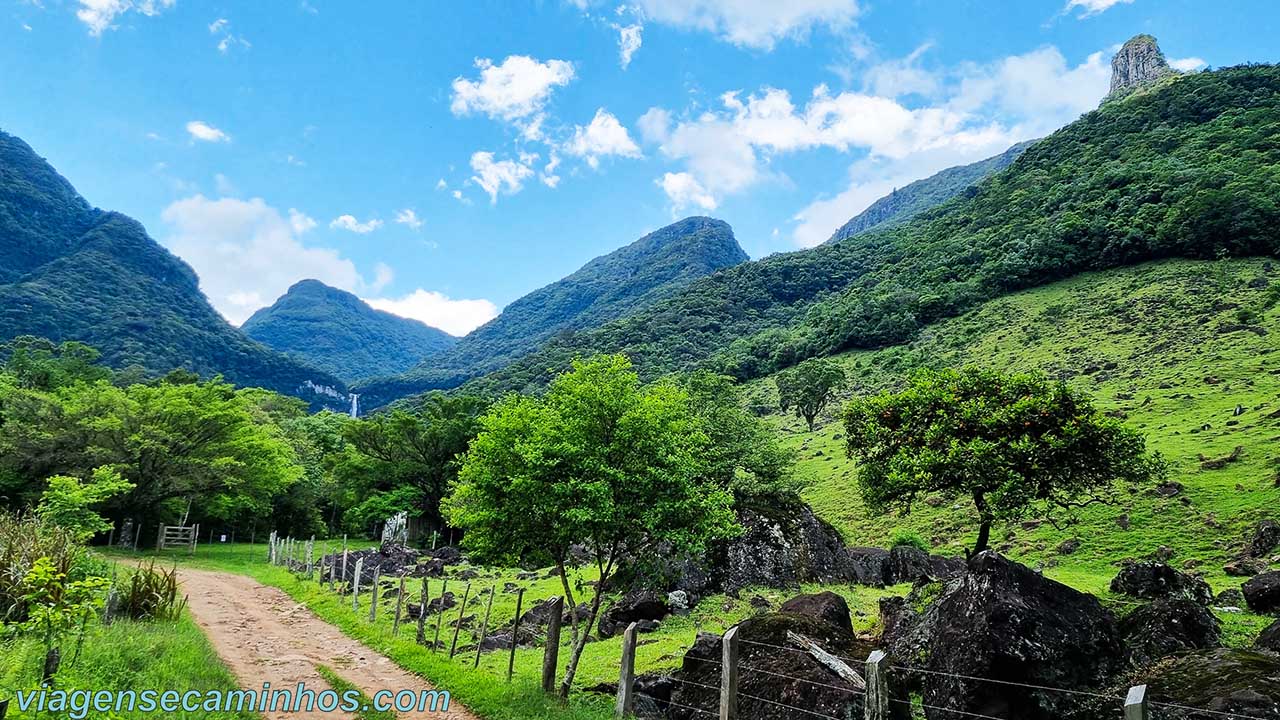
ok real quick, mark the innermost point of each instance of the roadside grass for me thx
(342, 687)
(123, 656)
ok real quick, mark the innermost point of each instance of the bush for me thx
(25, 538)
(149, 594)
(910, 538)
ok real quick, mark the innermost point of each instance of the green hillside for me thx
(1177, 348)
(339, 333)
(611, 286)
(72, 272)
(1189, 168)
(909, 201)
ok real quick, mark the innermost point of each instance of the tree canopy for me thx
(809, 387)
(1014, 444)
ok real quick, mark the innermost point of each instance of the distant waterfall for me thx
(355, 405)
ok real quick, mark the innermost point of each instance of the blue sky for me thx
(441, 159)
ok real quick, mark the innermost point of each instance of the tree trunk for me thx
(984, 530)
(52, 660)
(581, 643)
(568, 598)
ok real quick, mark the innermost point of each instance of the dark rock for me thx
(1066, 547)
(1230, 598)
(1152, 580)
(759, 602)
(908, 564)
(647, 626)
(632, 607)
(1245, 567)
(1123, 522)
(1003, 621)
(1169, 489)
(1217, 683)
(1269, 638)
(1262, 593)
(1266, 537)
(1168, 626)
(826, 606)
(1163, 554)
(1137, 64)
(787, 677)
(870, 566)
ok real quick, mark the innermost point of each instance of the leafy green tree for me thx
(57, 605)
(69, 502)
(809, 387)
(743, 451)
(599, 462)
(40, 364)
(417, 449)
(1011, 443)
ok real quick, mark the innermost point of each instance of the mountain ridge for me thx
(339, 333)
(74, 272)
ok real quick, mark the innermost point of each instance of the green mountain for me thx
(339, 333)
(625, 281)
(71, 272)
(907, 202)
(1188, 167)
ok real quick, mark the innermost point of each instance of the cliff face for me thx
(1138, 63)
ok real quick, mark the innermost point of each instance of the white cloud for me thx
(603, 137)
(247, 254)
(501, 176)
(100, 15)
(758, 24)
(515, 91)
(441, 184)
(349, 222)
(218, 26)
(985, 109)
(629, 40)
(204, 132)
(1089, 8)
(456, 317)
(901, 77)
(1189, 64)
(549, 176)
(301, 222)
(685, 191)
(410, 218)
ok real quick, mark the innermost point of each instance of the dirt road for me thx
(263, 635)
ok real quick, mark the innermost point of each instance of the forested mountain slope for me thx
(72, 272)
(1184, 351)
(907, 202)
(339, 333)
(1188, 168)
(609, 287)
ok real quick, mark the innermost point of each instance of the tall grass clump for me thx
(25, 538)
(150, 593)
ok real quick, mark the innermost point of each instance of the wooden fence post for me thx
(1135, 705)
(551, 655)
(160, 538)
(395, 625)
(515, 635)
(457, 626)
(422, 615)
(444, 588)
(729, 675)
(373, 602)
(877, 697)
(355, 586)
(627, 678)
(484, 626)
(343, 586)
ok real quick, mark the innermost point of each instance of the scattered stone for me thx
(1067, 547)
(1123, 521)
(1225, 682)
(1169, 489)
(1269, 638)
(1168, 626)
(1230, 598)
(1153, 580)
(634, 606)
(1266, 537)
(826, 606)
(678, 600)
(1245, 567)
(1221, 462)
(1163, 554)
(759, 602)
(1262, 593)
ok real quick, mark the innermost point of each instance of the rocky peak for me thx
(1138, 63)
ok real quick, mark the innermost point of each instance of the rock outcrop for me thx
(825, 606)
(1262, 593)
(1137, 64)
(1223, 682)
(1168, 626)
(635, 606)
(1003, 621)
(1156, 580)
(1269, 638)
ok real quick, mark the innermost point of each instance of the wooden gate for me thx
(177, 536)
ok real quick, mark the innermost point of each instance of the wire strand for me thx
(908, 703)
(676, 704)
(1204, 710)
(793, 677)
(789, 707)
(902, 668)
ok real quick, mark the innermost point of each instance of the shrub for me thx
(24, 539)
(150, 593)
(910, 538)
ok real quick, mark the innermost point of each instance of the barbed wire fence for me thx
(880, 678)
